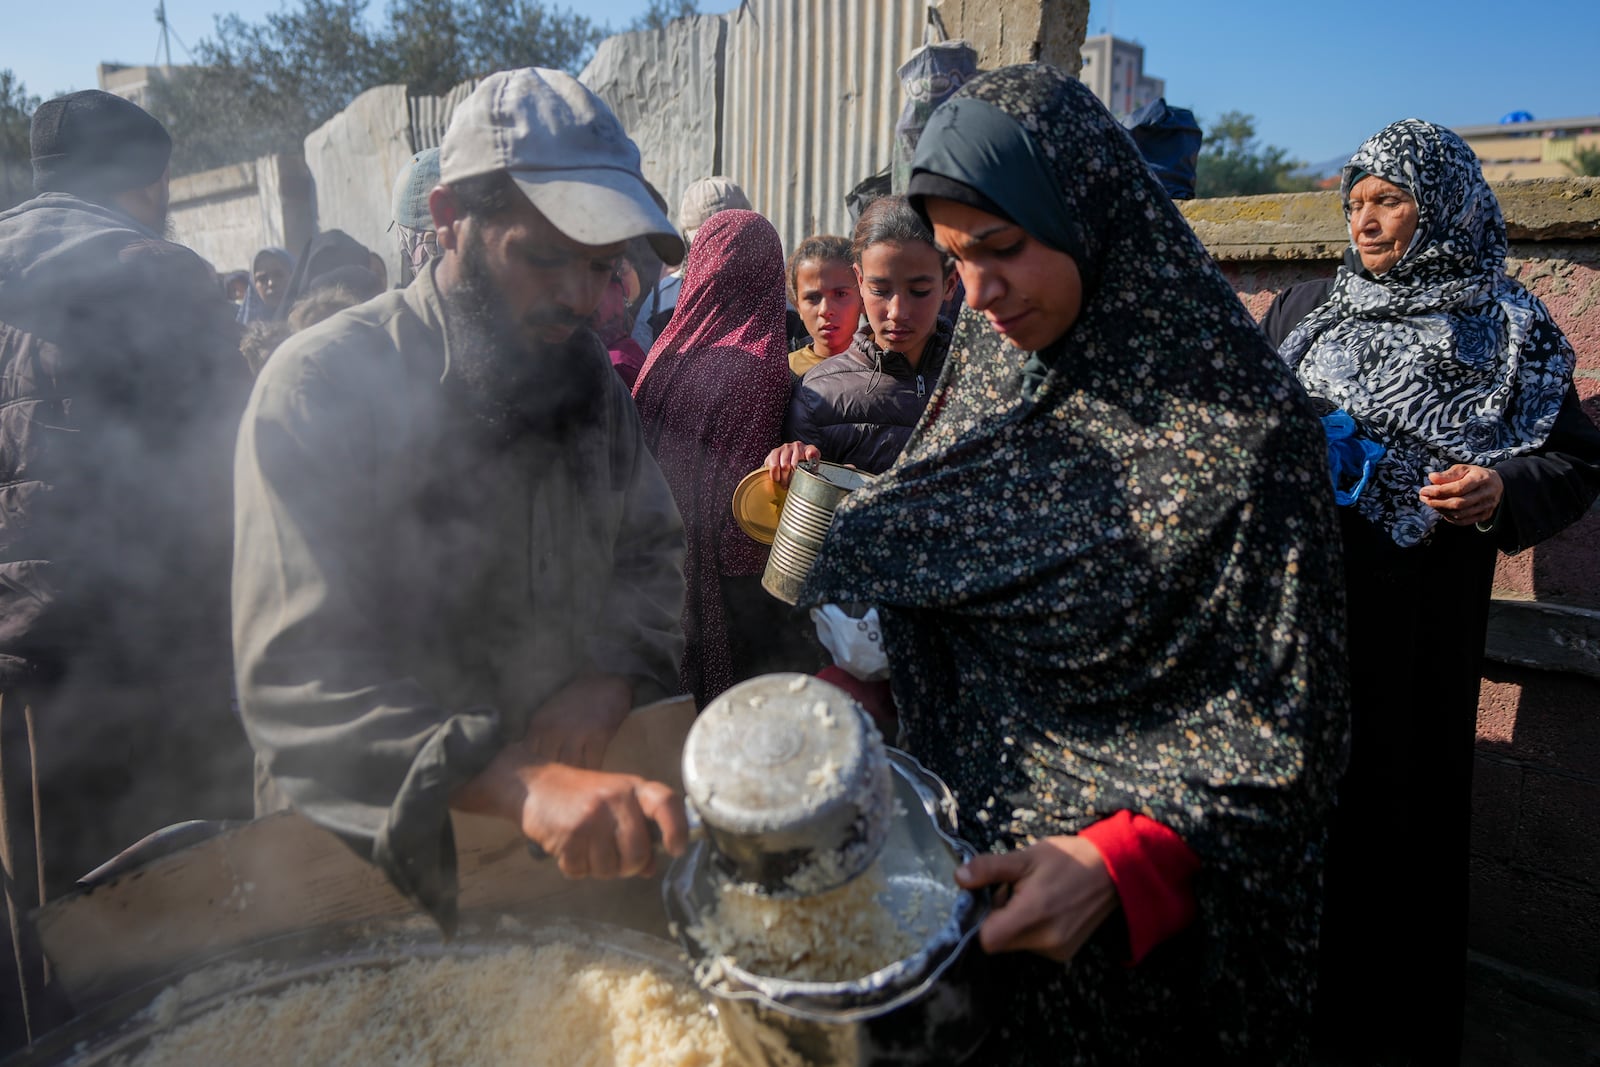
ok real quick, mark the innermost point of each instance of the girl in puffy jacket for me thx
(859, 407)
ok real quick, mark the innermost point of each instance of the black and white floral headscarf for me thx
(1443, 359)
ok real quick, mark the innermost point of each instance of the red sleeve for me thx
(1151, 868)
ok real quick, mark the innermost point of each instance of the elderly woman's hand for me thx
(1464, 494)
(1060, 894)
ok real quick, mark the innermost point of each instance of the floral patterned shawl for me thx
(1443, 359)
(1122, 594)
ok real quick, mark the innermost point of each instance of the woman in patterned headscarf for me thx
(712, 396)
(1108, 580)
(1459, 372)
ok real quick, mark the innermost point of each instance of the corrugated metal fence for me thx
(809, 97)
(430, 115)
(810, 101)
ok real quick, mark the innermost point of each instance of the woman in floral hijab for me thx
(712, 397)
(1107, 573)
(1464, 379)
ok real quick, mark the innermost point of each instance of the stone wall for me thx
(1020, 31)
(1536, 792)
(230, 213)
(355, 157)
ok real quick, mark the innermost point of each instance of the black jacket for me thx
(121, 387)
(860, 406)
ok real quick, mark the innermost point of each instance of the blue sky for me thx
(1318, 77)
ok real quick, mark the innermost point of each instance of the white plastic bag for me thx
(855, 644)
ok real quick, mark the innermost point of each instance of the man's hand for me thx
(576, 724)
(596, 825)
(1464, 494)
(1060, 894)
(782, 461)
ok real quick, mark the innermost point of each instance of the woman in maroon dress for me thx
(712, 397)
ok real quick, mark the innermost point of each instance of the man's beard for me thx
(513, 382)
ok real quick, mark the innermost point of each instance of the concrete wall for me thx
(665, 85)
(797, 99)
(230, 213)
(354, 158)
(794, 99)
(1020, 31)
(1536, 803)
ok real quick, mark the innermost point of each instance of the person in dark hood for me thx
(327, 251)
(122, 387)
(457, 564)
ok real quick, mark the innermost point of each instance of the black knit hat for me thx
(94, 143)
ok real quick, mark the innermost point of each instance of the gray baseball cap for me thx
(705, 198)
(565, 150)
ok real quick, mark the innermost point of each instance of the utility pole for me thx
(164, 47)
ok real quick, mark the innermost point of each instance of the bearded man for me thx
(457, 566)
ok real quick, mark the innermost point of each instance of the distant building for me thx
(130, 83)
(1113, 69)
(1533, 149)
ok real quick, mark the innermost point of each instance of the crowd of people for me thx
(1189, 613)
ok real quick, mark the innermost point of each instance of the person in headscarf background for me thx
(712, 397)
(269, 276)
(1108, 580)
(1464, 379)
(235, 284)
(610, 323)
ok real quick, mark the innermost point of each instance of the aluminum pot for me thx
(791, 782)
(926, 1009)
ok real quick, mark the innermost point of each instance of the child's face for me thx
(902, 288)
(829, 303)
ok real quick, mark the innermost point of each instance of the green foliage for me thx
(16, 114)
(661, 12)
(1232, 163)
(1585, 162)
(261, 87)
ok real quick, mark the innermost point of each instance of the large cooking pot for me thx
(925, 1009)
(124, 1026)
